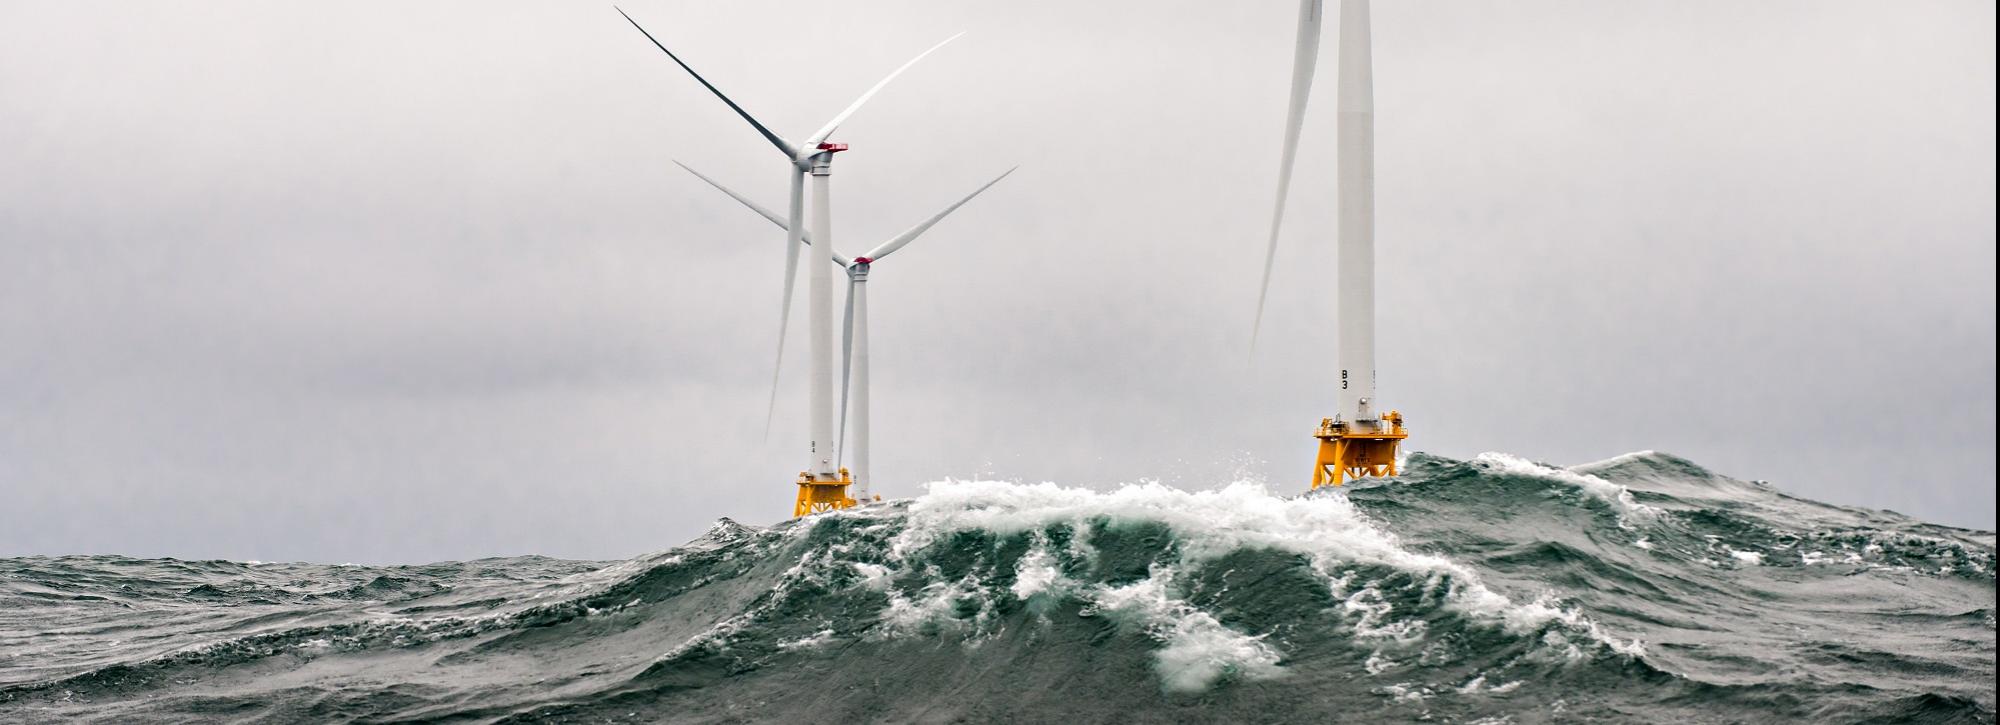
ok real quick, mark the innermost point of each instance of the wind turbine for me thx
(1355, 442)
(855, 325)
(821, 486)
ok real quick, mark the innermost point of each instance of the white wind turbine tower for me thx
(821, 486)
(1356, 441)
(854, 391)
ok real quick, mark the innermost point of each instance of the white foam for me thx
(1197, 649)
(1617, 460)
(1618, 496)
(873, 576)
(1209, 524)
(1037, 573)
(812, 641)
(1405, 692)
(937, 604)
(1373, 617)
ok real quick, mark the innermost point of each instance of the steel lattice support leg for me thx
(817, 496)
(1349, 452)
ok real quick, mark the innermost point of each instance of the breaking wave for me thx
(1638, 588)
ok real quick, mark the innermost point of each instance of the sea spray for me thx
(1643, 588)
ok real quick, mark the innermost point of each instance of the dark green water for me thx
(1641, 589)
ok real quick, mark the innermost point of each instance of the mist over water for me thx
(1495, 589)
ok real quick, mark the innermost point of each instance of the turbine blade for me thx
(776, 140)
(792, 244)
(754, 206)
(804, 236)
(910, 234)
(846, 366)
(1305, 57)
(827, 130)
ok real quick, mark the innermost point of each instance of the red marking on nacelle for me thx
(833, 147)
(863, 260)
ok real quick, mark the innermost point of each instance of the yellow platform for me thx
(1355, 450)
(820, 496)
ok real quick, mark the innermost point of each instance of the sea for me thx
(1495, 589)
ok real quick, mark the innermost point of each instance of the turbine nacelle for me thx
(821, 155)
(854, 325)
(880, 251)
(815, 157)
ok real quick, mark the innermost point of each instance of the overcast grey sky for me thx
(416, 281)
